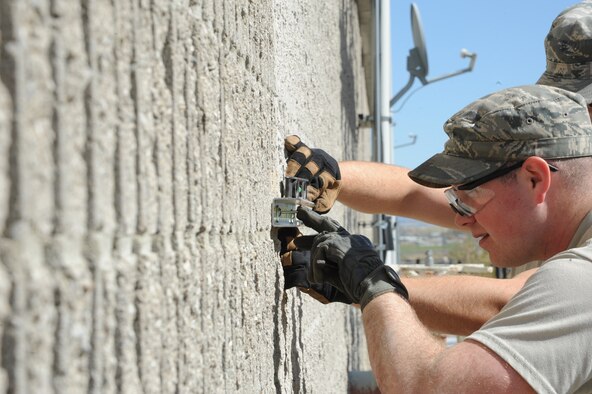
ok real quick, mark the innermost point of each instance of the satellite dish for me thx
(419, 42)
(417, 60)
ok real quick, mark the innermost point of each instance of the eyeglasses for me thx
(470, 202)
(468, 199)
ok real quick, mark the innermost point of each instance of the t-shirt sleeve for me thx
(545, 331)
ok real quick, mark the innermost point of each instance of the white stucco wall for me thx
(141, 144)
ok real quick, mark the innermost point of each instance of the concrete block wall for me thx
(141, 144)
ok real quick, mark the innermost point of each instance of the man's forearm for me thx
(401, 350)
(381, 188)
(406, 358)
(443, 308)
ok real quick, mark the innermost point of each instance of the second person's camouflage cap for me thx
(506, 127)
(568, 49)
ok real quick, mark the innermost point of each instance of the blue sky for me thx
(508, 37)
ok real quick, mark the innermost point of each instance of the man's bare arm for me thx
(460, 305)
(406, 358)
(381, 188)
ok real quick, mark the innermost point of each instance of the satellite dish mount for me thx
(417, 60)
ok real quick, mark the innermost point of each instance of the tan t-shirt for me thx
(545, 331)
(512, 272)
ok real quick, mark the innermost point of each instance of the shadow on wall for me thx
(348, 78)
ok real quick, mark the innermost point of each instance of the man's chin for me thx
(499, 261)
(504, 263)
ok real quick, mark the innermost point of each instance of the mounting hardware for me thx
(295, 187)
(283, 210)
(365, 121)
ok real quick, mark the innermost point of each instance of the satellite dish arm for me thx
(402, 91)
(463, 53)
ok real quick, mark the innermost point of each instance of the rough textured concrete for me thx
(140, 149)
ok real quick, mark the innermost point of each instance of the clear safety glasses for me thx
(468, 199)
(468, 202)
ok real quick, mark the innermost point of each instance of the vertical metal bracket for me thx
(294, 187)
(283, 210)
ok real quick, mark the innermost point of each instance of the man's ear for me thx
(536, 171)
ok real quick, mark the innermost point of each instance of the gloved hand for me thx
(348, 263)
(319, 168)
(296, 263)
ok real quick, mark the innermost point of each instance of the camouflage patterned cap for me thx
(568, 48)
(505, 127)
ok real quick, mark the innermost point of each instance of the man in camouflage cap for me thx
(380, 188)
(518, 167)
(568, 48)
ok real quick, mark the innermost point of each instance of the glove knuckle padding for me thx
(301, 156)
(292, 142)
(296, 161)
(292, 168)
(312, 167)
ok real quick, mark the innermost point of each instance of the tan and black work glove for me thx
(316, 166)
(296, 263)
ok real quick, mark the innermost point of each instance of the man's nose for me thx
(461, 220)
